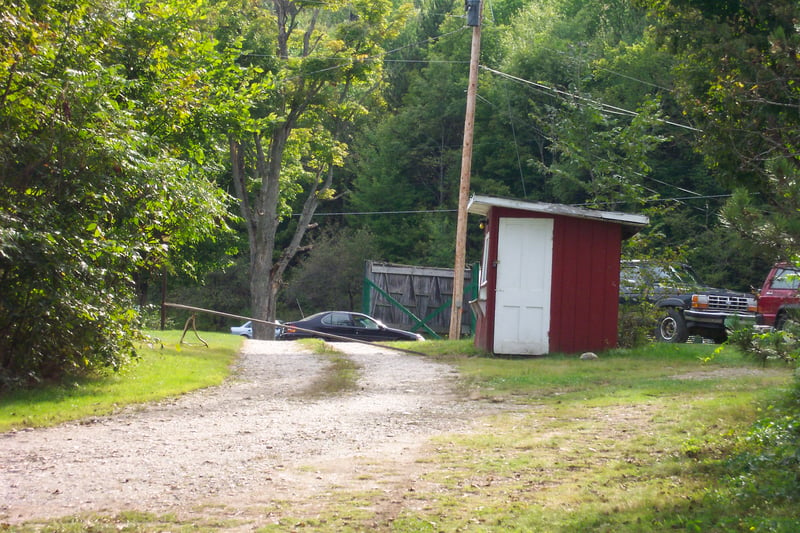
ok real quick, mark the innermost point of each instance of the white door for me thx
(524, 273)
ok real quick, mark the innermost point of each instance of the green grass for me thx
(341, 376)
(654, 369)
(442, 349)
(163, 370)
(648, 440)
(127, 521)
(638, 440)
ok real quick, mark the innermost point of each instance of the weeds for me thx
(760, 482)
(651, 439)
(636, 324)
(782, 345)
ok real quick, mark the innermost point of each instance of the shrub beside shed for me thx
(549, 276)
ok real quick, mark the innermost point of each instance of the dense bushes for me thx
(97, 183)
(764, 473)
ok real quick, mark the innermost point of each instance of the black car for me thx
(354, 326)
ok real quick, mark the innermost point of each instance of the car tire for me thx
(672, 327)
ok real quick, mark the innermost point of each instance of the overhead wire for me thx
(450, 211)
(545, 136)
(544, 89)
(567, 94)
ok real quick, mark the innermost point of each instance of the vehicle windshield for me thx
(653, 274)
(365, 322)
(786, 278)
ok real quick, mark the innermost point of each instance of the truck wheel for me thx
(719, 338)
(780, 321)
(672, 327)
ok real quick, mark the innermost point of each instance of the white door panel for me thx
(524, 275)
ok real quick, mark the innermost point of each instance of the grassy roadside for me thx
(631, 442)
(164, 369)
(636, 441)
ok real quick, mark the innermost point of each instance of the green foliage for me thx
(605, 167)
(771, 224)
(746, 123)
(331, 276)
(411, 162)
(97, 182)
(744, 105)
(636, 324)
(780, 345)
(763, 476)
(315, 70)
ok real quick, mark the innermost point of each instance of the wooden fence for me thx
(417, 298)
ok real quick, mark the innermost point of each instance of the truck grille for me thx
(729, 303)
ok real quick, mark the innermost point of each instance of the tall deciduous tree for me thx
(737, 78)
(320, 63)
(96, 179)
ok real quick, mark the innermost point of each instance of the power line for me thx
(348, 60)
(566, 94)
(367, 213)
(615, 73)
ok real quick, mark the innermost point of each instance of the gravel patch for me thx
(242, 446)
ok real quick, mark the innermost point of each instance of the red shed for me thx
(549, 276)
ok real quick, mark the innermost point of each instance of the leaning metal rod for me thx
(275, 324)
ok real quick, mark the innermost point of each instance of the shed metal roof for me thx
(481, 205)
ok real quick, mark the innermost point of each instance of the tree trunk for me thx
(262, 296)
(260, 211)
(261, 217)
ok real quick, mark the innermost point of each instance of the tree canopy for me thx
(132, 134)
(736, 78)
(101, 171)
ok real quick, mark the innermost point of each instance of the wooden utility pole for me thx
(474, 10)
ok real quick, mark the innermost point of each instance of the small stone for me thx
(588, 356)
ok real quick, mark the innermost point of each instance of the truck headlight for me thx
(699, 301)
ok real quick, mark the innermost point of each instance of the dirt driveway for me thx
(236, 449)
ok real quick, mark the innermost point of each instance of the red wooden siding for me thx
(585, 296)
(584, 290)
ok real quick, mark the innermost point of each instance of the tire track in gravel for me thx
(254, 440)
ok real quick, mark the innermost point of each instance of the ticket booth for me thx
(549, 276)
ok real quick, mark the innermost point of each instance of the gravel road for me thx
(237, 448)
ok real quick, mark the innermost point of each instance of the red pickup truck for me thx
(779, 299)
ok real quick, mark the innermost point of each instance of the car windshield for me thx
(786, 278)
(653, 274)
(365, 322)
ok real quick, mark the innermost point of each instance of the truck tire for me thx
(780, 320)
(672, 327)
